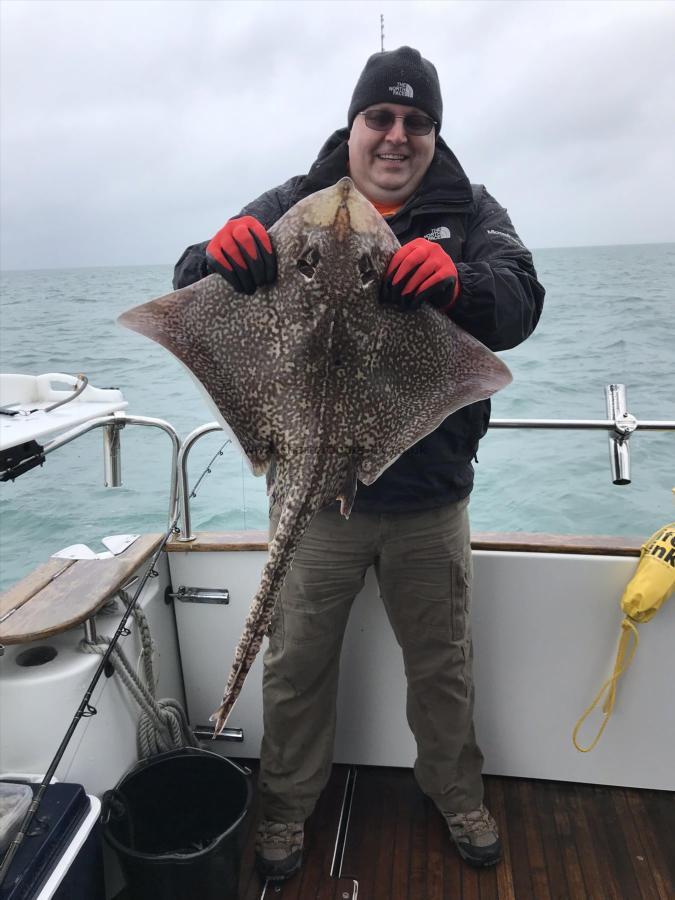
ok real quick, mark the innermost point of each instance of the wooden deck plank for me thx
(636, 850)
(561, 842)
(567, 844)
(366, 825)
(489, 889)
(452, 873)
(656, 826)
(662, 813)
(384, 868)
(320, 834)
(470, 883)
(417, 874)
(607, 828)
(553, 857)
(494, 800)
(405, 795)
(533, 842)
(587, 849)
(436, 851)
(519, 856)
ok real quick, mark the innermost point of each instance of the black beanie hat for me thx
(398, 76)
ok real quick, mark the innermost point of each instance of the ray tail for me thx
(295, 518)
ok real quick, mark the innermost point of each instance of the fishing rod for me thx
(84, 710)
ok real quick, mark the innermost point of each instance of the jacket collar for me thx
(444, 183)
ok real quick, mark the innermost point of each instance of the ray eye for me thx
(309, 261)
(367, 270)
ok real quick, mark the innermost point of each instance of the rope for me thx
(624, 658)
(162, 725)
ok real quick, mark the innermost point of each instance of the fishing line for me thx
(243, 492)
(207, 470)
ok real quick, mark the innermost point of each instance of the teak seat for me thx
(63, 593)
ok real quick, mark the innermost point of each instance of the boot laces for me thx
(287, 835)
(476, 823)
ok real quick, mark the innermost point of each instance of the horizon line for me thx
(172, 265)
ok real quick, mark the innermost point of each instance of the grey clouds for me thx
(130, 129)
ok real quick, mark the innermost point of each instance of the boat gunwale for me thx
(511, 542)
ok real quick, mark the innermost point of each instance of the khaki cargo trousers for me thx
(423, 566)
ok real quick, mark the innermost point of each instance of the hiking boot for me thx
(476, 836)
(278, 849)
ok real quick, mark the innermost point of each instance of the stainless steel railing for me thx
(112, 426)
(620, 424)
(183, 487)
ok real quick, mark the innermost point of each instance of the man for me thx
(460, 253)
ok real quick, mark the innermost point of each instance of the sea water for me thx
(609, 316)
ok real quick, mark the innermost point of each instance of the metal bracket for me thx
(200, 595)
(205, 733)
(90, 635)
(19, 459)
(624, 426)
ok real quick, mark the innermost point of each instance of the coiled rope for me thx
(163, 724)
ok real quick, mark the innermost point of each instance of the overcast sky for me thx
(132, 128)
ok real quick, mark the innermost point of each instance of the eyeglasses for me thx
(383, 119)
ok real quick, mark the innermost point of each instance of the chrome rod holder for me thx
(120, 419)
(624, 426)
(112, 455)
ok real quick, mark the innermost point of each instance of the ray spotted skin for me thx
(314, 375)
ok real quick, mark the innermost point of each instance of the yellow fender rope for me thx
(624, 657)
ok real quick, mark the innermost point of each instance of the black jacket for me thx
(500, 303)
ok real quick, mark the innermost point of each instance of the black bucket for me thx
(176, 822)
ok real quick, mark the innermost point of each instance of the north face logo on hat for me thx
(401, 89)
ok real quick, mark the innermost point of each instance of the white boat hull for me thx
(545, 628)
(38, 703)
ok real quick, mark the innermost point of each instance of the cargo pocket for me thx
(460, 597)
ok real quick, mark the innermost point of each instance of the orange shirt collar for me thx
(386, 210)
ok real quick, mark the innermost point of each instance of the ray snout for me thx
(343, 208)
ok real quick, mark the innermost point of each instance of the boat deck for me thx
(561, 842)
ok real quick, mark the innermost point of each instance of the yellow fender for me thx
(645, 594)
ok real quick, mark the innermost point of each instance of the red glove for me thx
(421, 271)
(243, 254)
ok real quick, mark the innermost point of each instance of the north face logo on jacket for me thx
(439, 234)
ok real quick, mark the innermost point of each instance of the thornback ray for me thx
(314, 375)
